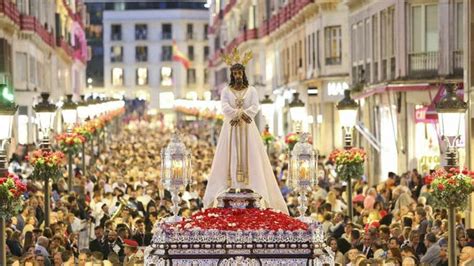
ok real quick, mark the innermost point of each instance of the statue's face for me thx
(238, 75)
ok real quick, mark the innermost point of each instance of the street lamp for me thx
(347, 109)
(7, 113)
(45, 111)
(297, 111)
(267, 109)
(451, 111)
(69, 112)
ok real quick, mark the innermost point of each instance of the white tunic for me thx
(261, 177)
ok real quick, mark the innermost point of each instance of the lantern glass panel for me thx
(451, 123)
(348, 117)
(46, 120)
(70, 116)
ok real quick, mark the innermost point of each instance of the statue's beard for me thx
(239, 81)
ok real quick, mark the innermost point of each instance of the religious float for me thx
(238, 232)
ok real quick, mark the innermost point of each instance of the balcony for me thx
(31, 24)
(10, 11)
(458, 64)
(423, 65)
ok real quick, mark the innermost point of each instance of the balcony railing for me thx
(424, 64)
(458, 64)
(10, 10)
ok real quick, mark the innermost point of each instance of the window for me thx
(375, 37)
(424, 28)
(166, 76)
(189, 32)
(141, 31)
(167, 53)
(191, 76)
(21, 65)
(141, 53)
(191, 52)
(333, 45)
(166, 31)
(117, 76)
(116, 53)
(166, 100)
(206, 75)
(116, 32)
(206, 30)
(206, 53)
(142, 76)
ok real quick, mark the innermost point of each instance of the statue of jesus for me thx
(241, 161)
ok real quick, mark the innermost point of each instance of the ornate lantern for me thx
(347, 109)
(297, 111)
(175, 171)
(451, 112)
(302, 170)
(7, 114)
(45, 112)
(267, 108)
(69, 112)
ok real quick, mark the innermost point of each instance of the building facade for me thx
(391, 54)
(138, 51)
(400, 66)
(43, 49)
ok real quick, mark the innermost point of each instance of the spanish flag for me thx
(180, 56)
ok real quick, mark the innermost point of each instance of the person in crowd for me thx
(130, 251)
(433, 250)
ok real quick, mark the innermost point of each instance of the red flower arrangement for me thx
(70, 142)
(451, 188)
(11, 191)
(241, 219)
(349, 163)
(47, 164)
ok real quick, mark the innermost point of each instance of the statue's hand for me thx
(235, 121)
(246, 118)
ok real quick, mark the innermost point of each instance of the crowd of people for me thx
(107, 216)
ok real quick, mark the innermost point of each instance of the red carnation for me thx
(441, 187)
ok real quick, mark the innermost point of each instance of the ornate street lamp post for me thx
(451, 111)
(297, 112)
(7, 113)
(45, 112)
(175, 171)
(69, 112)
(302, 170)
(347, 109)
(83, 114)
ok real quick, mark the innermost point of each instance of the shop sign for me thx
(421, 115)
(334, 90)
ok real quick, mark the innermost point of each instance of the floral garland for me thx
(292, 138)
(70, 142)
(11, 195)
(349, 162)
(267, 137)
(47, 164)
(240, 220)
(451, 188)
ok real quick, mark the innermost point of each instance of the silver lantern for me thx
(175, 171)
(302, 172)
